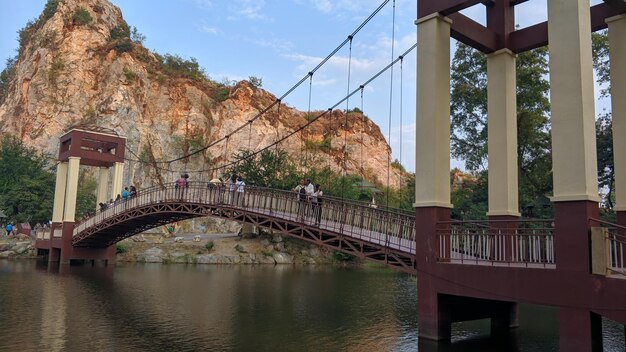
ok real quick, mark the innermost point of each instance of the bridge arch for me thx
(381, 235)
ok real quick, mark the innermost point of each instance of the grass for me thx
(209, 245)
(120, 248)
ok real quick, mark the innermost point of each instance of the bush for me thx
(239, 248)
(342, 257)
(323, 145)
(81, 17)
(55, 70)
(256, 81)
(222, 94)
(120, 32)
(123, 46)
(209, 245)
(130, 75)
(120, 248)
(50, 9)
(6, 76)
(267, 253)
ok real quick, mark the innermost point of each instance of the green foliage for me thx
(600, 43)
(175, 66)
(130, 75)
(55, 70)
(267, 253)
(310, 116)
(324, 145)
(136, 36)
(256, 81)
(222, 94)
(48, 39)
(470, 200)
(469, 121)
(123, 46)
(81, 17)
(355, 109)
(26, 183)
(239, 248)
(121, 31)
(209, 245)
(50, 9)
(120, 248)
(396, 164)
(26, 34)
(6, 77)
(270, 168)
(343, 257)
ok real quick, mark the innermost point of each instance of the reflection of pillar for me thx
(59, 193)
(118, 174)
(502, 134)
(53, 312)
(617, 51)
(432, 165)
(103, 183)
(71, 189)
(573, 157)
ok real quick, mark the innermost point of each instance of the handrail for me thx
(353, 219)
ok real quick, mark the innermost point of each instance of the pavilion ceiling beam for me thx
(617, 5)
(445, 7)
(517, 2)
(537, 36)
(472, 33)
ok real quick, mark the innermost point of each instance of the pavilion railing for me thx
(393, 229)
(497, 242)
(614, 246)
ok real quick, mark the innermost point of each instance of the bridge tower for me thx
(568, 33)
(88, 146)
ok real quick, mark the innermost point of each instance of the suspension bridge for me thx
(466, 270)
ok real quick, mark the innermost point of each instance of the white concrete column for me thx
(617, 52)
(118, 175)
(103, 183)
(502, 134)
(71, 189)
(432, 157)
(59, 192)
(574, 159)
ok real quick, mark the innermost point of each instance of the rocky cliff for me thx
(77, 64)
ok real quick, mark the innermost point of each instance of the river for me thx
(154, 307)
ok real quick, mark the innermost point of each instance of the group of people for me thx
(309, 197)
(128, 192)
(236, 187)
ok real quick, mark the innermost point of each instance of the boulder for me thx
(283, 258)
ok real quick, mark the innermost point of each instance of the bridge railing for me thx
(613, 246)
(509, 243)
(394, 229)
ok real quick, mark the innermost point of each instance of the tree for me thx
(604, 122)
(256, 81)
(469, 119)
(27, 184)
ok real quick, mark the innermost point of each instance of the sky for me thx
(280, 41)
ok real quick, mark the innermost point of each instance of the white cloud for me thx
(276, 44)
(252, 9)
(208, 29)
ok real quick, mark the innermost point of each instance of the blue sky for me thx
(280, 41)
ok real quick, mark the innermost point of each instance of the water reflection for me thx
(152, 307)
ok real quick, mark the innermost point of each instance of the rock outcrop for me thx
(76, 68)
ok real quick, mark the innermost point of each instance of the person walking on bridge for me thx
(302, 198)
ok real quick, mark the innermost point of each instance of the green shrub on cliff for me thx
(81, 17)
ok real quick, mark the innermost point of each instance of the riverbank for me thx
(189, 248)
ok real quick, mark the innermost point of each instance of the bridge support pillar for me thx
(103, 183)
(502, 134)
(433, 313)
(579, 330)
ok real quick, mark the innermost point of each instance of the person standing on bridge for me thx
(232, 188)
(240, 191)
(181, 184)
(317, 204)
(302, 198)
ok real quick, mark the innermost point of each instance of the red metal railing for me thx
(615, 243)
(527, 243)
(393, 229)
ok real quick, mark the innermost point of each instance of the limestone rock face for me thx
(69, 74)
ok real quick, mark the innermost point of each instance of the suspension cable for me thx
(316, 118)
(362, 130)
(345, 123)
(393, 35)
